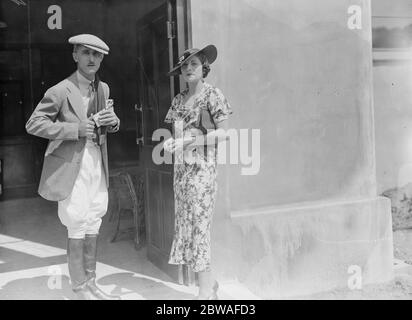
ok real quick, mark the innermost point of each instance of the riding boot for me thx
(90, 253)
(76, 269)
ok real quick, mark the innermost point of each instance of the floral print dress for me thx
(194, 181)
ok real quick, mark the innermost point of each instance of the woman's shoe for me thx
(215, 286)
(213, 295)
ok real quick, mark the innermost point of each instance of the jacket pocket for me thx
(70, 151)
(58, 177)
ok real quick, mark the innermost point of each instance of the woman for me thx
(195, 168)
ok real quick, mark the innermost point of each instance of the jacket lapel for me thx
(75, 97)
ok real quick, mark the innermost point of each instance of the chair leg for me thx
(114, 211)
(117, 227)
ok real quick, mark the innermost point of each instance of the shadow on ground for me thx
(37, 288)
(147, 288)
(58, 288)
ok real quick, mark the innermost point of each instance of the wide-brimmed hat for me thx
(209, 51)
(90, 41)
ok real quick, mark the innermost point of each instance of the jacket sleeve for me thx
(44, 121)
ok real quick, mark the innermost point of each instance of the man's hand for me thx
(86, 128)
(108, 117)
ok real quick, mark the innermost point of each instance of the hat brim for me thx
(209, 51)
(96, 48)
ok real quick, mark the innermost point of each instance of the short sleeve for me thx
(171, 114)
(220, 108)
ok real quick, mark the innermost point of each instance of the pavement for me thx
(33, 260)
(33, 263)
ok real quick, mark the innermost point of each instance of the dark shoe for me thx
(76, 265)
(100, 294)
(85, 294)
(90, 253)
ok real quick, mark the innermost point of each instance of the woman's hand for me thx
(173, 145)
(196, 132)
(168, 145)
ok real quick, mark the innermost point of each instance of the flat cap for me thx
(90, 41)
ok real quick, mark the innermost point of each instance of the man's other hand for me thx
(108, 117)
(86, 128)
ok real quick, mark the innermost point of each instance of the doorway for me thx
(145, 37)
(158, 45)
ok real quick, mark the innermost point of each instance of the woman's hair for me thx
(205, 64)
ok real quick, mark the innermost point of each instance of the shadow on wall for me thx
(383, 37)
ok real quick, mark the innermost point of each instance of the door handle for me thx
(140, 140)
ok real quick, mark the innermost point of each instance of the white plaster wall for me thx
(393, 123)
(392, 82)
(293, 70)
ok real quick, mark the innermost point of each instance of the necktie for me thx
(92, 109)
(92, 94)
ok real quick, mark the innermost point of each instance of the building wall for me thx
(393, 114)
(392, 81)
(295, 71)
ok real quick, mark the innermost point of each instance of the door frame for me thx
(179, 39)
(183, 18)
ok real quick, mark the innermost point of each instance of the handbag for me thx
(206, 121)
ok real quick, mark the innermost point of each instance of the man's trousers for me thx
(82, 211)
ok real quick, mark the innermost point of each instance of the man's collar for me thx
(83, 81)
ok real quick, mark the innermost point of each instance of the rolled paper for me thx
(109, 103)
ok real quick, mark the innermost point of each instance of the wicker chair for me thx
(128, 199)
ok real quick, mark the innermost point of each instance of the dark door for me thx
(21, 154)
(156, 52)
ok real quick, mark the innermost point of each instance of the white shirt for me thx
(84, 86)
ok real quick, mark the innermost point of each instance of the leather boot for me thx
(76, 269)
(90, 253)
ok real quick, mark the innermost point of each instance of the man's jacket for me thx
(57, 118)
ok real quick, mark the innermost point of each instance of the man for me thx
(72, 115)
